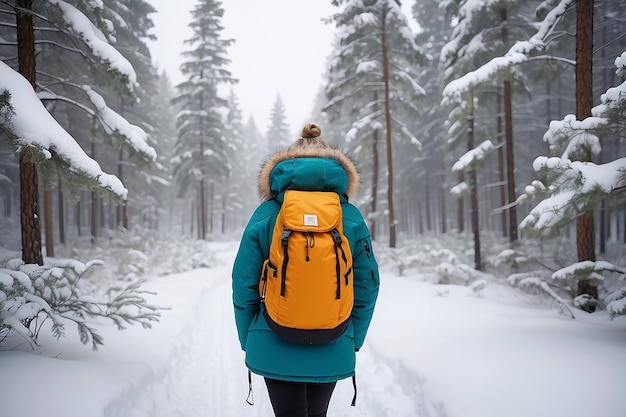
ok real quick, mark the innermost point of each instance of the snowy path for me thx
(212, 380)
(432, 351)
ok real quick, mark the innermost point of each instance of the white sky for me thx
(281, 48)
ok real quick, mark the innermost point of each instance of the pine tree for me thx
(371, 73)
(431, 124)
(201, 159)
(571, 186)
(132, 25)
(64, 17)
(483, 32)
(239, 188)
(278, 135)
(70, 37)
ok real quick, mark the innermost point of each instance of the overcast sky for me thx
(281, 48)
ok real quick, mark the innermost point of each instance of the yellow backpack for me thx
(307, 284)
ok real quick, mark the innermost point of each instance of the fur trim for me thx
(354, 178)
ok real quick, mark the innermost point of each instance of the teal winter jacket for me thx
(316, 169)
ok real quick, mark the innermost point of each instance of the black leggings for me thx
(299, 399)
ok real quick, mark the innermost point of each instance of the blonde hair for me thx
(310, 138)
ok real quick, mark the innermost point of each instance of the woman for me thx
(301, 378)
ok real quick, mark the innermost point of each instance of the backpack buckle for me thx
(285, 237)
(336, 236)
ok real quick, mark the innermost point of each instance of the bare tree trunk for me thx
(460, 210)
(61, 210)
(224, 212)
(502, 187)
(443, 212)
(472, 184)
(585, 239)
(211, 207)
(121, 212)
(429, 226)
(510, 161)
(603, 209)
(375, 169)
(508, 130)
(29, 187)
(47, 222)
(392, 219)
(94, 197)
(78, 218)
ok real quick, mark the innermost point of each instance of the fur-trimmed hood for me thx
(336, 157)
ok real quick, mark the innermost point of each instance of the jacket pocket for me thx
(371, 262)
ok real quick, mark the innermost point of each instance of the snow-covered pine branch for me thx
(31, 294)
(47, 136)
(616, 302)
(568, 187)
(534, 280)
(95, 40)
(132, 136)
(460, 189)
(586, 270)
(517, 54)
(590, 270)
(473, 156)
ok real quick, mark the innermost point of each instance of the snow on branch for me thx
(586, 270)
(517, 54)
(568, 187)
(529, 280)
(577, 133)
(616, 302)
(34, 126)
(95, 40)
(114, 123)
(473, 156)
(31, 294)
(460, 189)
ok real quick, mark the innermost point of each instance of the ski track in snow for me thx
(211, 378)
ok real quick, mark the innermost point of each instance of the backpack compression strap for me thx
(284, 240)
(337, 239)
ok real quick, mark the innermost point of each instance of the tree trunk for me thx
(603, 209)
(375, 169)
(508, 131)
(502, 187)
(510, 162)
(61, 211)
(443, 212)
(47, 222)
(29, 187)
(94, 198)
(585, 239)
(472, 184)
(460, 210)
(392, 219)
(121, 211)
(79, 209)
(427, 204)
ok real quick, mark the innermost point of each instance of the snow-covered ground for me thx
(432, 351)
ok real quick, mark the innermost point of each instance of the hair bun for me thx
(311, 130)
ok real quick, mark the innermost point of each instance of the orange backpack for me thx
(307, 284)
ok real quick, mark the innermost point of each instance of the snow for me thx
(432, 351)
(46, 134)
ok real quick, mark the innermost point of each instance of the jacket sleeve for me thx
(253, 250)
(366, 278)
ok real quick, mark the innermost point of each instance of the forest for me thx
(496, 120)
